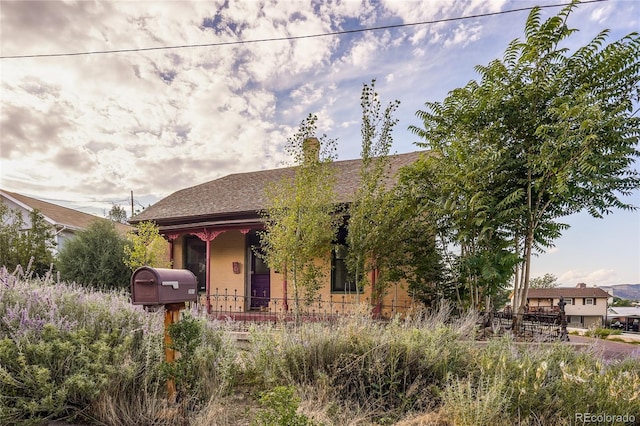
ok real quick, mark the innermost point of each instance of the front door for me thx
(260, 276)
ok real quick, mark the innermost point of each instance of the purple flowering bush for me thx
(62, 346)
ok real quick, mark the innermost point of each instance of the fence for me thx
(231, 306)
(534, 326)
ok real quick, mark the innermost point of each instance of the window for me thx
(589, 301)
(341, 282)
(195, 259)
(569, 301)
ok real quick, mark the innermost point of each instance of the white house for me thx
(64, 221)
(585, 306)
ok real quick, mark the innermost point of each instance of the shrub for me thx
(95, 257)
(280, 408)
(62, 346)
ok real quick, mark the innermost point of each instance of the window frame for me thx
(346, 287)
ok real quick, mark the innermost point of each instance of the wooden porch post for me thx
(207, 236)
(171, 238)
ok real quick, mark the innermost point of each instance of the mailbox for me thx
(159, 286)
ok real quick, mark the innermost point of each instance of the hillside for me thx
(626, 291)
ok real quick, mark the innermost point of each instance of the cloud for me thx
(600, 14)
(464, 34)
(591, 278)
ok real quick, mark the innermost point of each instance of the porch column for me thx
(208, 235)
(171, 238)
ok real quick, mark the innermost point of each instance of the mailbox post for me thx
(170, 288)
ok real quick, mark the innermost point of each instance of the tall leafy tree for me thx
(94, 257)
(373, 213)
(300, 220)
(117, 214)
(545, 281)
(555, 129)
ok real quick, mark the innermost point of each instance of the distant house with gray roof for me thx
(64, 221)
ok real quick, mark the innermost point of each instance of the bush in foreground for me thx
(71, 353)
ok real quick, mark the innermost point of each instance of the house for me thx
(585, 306)
(65, 222)
(213, 231)
(624, 318)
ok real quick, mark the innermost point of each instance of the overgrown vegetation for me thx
(545, 132)
(72, 353)
(94, 257)
(146, 247)
(19, 246)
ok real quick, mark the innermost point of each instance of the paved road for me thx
(609, 349)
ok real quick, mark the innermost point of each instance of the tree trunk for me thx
(528, 246)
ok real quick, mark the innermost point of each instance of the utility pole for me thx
(132, 203)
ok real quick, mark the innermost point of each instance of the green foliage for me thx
(146, 248)
(62, 347)
(93, 257)
(602, 333)
(280, 408)
(545, 133)
(117, 214)
(186, 337)
(22, 247)
(372, 219)
(75, 354)
(545, 281)
(300, 220)
(617, 301)
(57, 374)
(204, 366)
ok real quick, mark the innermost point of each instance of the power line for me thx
(288, 38)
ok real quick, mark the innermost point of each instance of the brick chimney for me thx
(581, 285)
(311, 149)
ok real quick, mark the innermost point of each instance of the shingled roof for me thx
(57, 215)
(567, 292)
(241, 194)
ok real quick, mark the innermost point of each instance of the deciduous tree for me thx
(300, 220)
(554, 130)
(147, 247)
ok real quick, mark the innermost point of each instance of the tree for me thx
(147, 248)
(117, 214)
(389, 238)
(555, 129)
(22, 244)
(545, 281)
(94, 257)
(300, 220)
(370, 239)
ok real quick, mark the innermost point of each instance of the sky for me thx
(84, 131)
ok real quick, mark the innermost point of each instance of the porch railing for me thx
(232, 306)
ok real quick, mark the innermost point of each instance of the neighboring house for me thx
(213, 227)
(585, 306)
(625, 317)
(64, 222)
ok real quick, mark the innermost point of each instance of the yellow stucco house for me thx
(213, 229)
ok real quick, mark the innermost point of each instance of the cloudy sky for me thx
(85, 130)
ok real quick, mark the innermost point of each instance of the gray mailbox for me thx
(159, 286)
